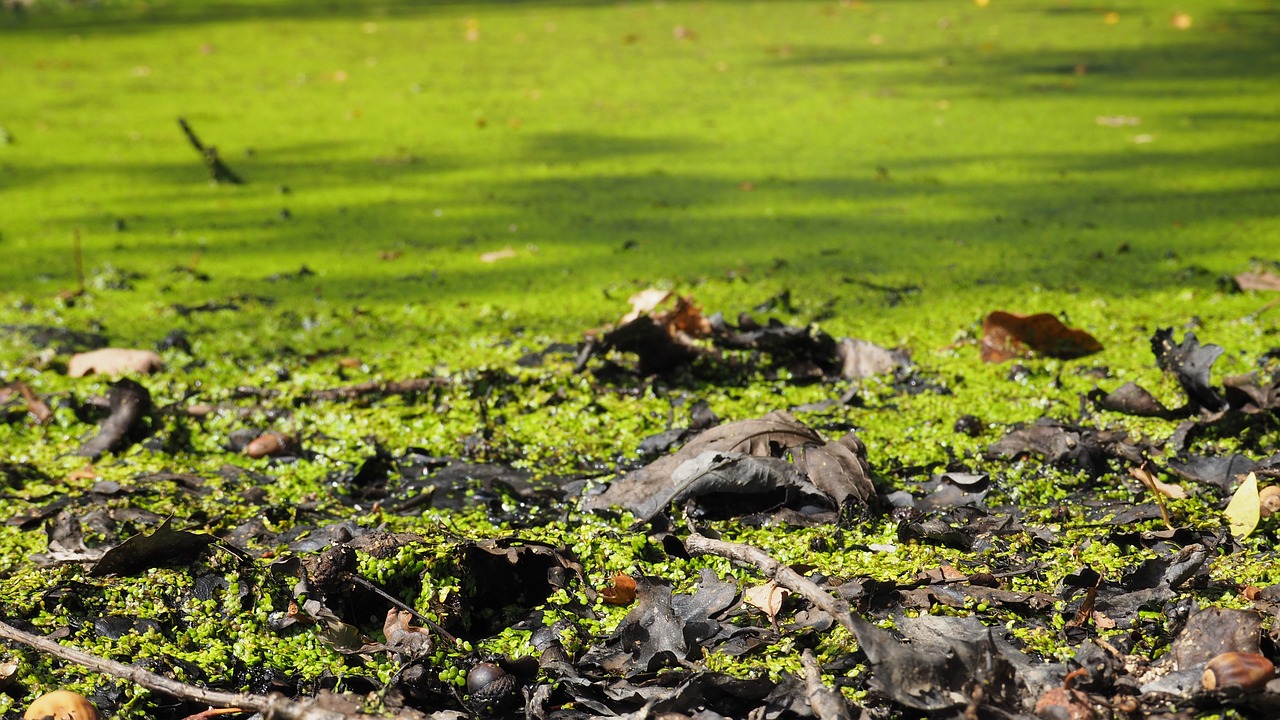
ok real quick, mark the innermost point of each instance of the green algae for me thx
(900, 171)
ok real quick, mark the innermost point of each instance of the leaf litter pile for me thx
(764, 567)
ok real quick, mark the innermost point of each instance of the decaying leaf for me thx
(403, 637)
(1245, 508)
(114, 361)
(1258, 281)
(622, 592)
(1156, 485)
(1007, 335)
(768, 597)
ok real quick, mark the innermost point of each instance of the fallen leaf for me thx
(623, 591)
(1245, 508)
(496, 255)
(1154, 484)
(113, 361)
(1258, 281)
(768, 597)
(403, 637)
(1007, 335)
(85, 473)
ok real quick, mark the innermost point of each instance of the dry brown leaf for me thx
(1258, 281)
(623, 591)
(114, 361)
(1007, 335)
(1155, 484)
(497, 255)
(85, 473)
(643, 303)
(768, 597)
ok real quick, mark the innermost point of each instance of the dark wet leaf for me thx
(162, 547)
(130, 404)
(1190, 363)
(838, 468)
(1007, 335)
(1133, 399)
(732, 473)
(1213, 631)
(1222, 472)
(1067, 446)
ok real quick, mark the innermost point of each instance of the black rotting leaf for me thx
(1190, 362)
(130, 405)
(729, 473)
(1068, 445)
(162, 547)
(504, 579)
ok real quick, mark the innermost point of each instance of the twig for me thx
(378, 388)
(272, 707)
(826, 703)
(218, 171)
(783, 575)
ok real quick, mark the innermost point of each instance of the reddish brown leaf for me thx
(1006, 336)
(623, 591)
(37, 407)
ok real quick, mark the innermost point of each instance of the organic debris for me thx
(1007, 335)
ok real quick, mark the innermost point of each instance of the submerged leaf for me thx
(1245, 508)
(1007, 335)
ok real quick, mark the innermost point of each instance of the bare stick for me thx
(218, 171)
(275, 706)
(826, 703)
(783, 575)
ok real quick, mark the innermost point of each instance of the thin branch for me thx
(272, 707)
(218, 171)
(826, 703)
(783, 575)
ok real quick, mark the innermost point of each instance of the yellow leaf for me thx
(1244, 509)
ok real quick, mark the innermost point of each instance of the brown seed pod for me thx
(482, 675)
(61, 705)
(1244, 671)
(270, 443)
(493, 691)
(1269, 497)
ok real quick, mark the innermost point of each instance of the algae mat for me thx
(435, 189)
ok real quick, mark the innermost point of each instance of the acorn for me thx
(1269, 498)
(270, 443)
(493, 690)
(61, 705)
(1243, 671)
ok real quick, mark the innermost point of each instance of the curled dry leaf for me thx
(61, 705)
(114, 361)
(768, 597)
(623, 591)
(403, 637)
(1007, 335)
(1155, 484)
